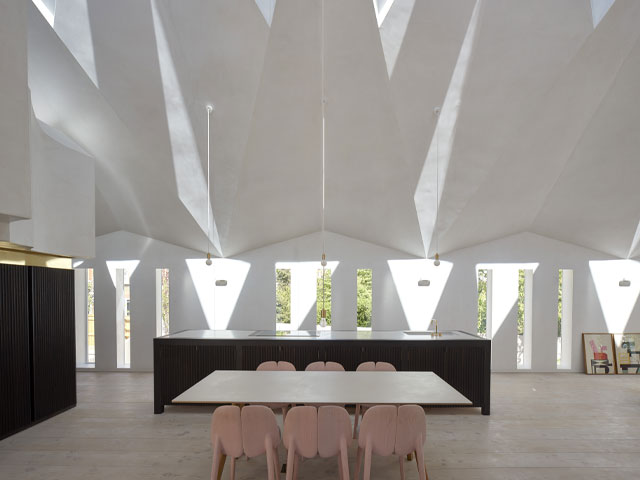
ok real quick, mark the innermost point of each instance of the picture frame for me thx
(599, 354)
(627, 349)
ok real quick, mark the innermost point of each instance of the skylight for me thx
(47, 9)
(599, 9)
(382, 7)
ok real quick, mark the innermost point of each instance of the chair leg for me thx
(367, 463)
(401, 462)
(223, 459)
(356, 418)
(422, 469)
(232, 471)
(215, 462)
(344, 457)
(285, 409)
(356, 474)
(276, 463)
(291, 462)
(270, 466)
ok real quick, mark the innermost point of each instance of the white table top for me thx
(248, 386)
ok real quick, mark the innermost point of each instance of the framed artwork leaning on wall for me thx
(627, 347)
(599, 354)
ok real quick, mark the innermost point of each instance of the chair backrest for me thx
(273, 366)
(333, 367)
(366, 367)
(326, 367)
(315, 366)
(301, 431)
(259, 428)
(411, 431)
(385, 367)
(226, 430)
(334, 426)
(378, 429)
(268, 366)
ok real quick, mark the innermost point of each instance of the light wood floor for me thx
(543, 426)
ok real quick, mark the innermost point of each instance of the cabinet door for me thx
(15, 383)
(53, 341)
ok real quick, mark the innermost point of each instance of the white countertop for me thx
(324, 335)
(249, 386)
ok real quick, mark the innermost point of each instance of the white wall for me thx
(62, 196)
(251, 281)
(15, 196)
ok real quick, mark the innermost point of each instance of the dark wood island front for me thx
(182, 359)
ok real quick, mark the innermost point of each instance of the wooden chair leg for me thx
(356, 475)
(232, 472)
(344, 457)
(223, 458)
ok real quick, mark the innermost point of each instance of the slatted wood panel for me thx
(53, 341)
(15, 384)
(195, 362)
(464, 367)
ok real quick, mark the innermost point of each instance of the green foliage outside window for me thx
(520, 302)
(482, 302)
(327, 295)
(283, 295)
(365, 292)
(560, 304)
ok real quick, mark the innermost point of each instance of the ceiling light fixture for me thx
(624, 283)
(436, 258)
(209, 110)
(323, 262)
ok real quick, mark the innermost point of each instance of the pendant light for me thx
(323, 102)
(209, 110)
(436, 258)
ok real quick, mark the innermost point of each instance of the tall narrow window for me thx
(323, 297)
(559, 329)
(162, 301)
(520, 318)
(123, 317)
(283, 298)
(91, 336)
(524, 338)
(482, 302)
(365, 298)
(565, 314)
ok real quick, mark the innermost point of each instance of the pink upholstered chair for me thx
(411, 433)
(325, 367)
(368, 367)
(260, 434)
(273, 366)
(226, 439)
(377, 435)
(300, 437)
(334, 436)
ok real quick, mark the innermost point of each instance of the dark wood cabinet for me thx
(183, 359)
(37, 345)
(15, 376)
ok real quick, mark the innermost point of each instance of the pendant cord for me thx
(208, 179)
(323, 313)
(323, 104)
(437, 183)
